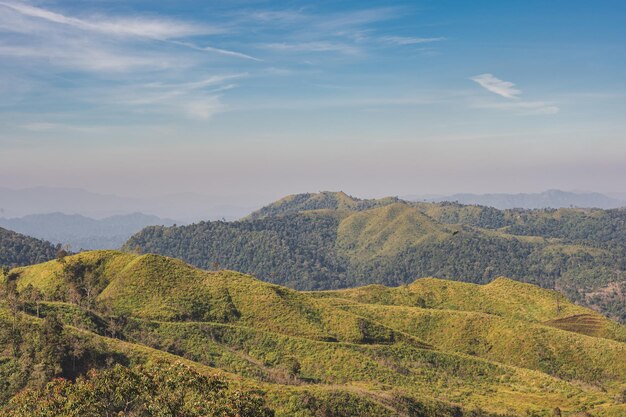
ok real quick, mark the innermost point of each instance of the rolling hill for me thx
(430, 348)
(331, 240)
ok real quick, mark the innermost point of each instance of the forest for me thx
(330, 241)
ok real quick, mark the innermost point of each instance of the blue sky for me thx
(267, 98)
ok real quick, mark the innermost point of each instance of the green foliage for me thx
(161, 390)
(431, 348)
(330, 240)
(18, 250)
(324, 200)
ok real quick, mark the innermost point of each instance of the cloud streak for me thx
(497, 86)
(507, 90)
(318, 46)
(167, 30)
(404, 40)
(522, 107)
(136, 27)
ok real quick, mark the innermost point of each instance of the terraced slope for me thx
(431, 348)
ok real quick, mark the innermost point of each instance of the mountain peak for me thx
(323, 200)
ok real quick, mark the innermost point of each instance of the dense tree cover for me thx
(37, 353)
(301, 251)
(592, 227)
(18, 250)
(601, 228)
(163, 390)
(294, 250)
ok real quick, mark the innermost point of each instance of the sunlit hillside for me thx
(430, 348)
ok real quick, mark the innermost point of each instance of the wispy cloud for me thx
(507, 90)
(216, 50)
(497, 86)
(318, 46)
(167, 30)
(199, 100)
(82, 55)
(326, 23)
(139, 27)
(522, 107)
(204, 109)
(348, 32)
(134, 63)
(405, 40)
(196, 85)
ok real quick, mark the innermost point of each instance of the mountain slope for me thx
(367, 351)
(17, 249)
(330, 241)
(325, 200)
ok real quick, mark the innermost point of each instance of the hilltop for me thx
(331, 240)
(431, 348)
(325, 200)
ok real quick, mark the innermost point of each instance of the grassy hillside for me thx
(431, 348)
(17, 249)
(330, 240)
(325, 200)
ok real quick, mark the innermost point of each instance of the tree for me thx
(53, 345)
(32, 296)
(155, 390)
(61, 254)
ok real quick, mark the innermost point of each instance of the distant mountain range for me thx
(186, 207)
(80, 232)
(546, 199)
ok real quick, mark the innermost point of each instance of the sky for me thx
(266, 98)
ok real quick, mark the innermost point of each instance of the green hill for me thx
(17, 249)
(325, 200)
(431, 348)
(330, 241)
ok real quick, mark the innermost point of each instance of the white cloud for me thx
(497, 86)
(507, 90)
